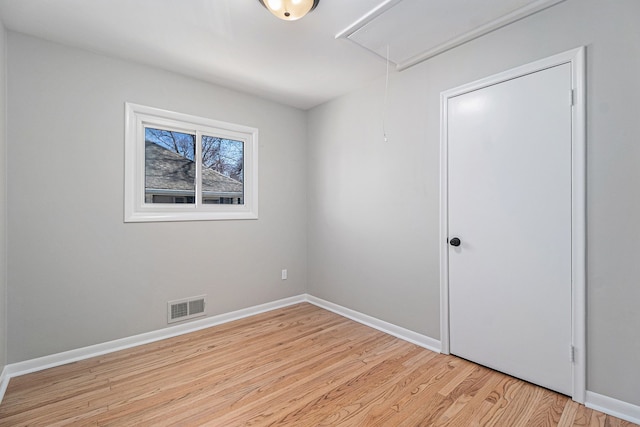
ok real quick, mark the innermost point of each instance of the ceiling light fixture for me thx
(290, 10)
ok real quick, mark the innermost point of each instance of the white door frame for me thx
(576, 58)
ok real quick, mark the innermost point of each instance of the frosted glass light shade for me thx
(290, 10)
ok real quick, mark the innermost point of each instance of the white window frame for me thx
(137, 117)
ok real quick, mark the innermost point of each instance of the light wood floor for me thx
(297, 366)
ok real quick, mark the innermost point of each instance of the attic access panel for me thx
(415, 30)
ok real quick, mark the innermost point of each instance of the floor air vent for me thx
(184, 309)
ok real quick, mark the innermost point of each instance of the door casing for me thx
(575, 57)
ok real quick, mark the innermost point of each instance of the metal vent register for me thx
(184, 309)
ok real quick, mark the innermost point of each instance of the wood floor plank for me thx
(475, 401)
(345, 403)
(501, 397)
(417, 387)
(423, 396)
(297, 366)
(598, 419)
(583, 416)
(549, 409)
(568, 415)
(242, 393)
(476, 408)
(309, 392)
(365, 410)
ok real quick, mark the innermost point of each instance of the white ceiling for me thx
(239, 44)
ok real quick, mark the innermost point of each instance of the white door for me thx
(509, 204)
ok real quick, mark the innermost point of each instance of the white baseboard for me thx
(610, 406)
(389, 328)
(53, 360)
(4, 382)
(45, 362)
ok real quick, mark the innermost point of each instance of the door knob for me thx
(454, 242)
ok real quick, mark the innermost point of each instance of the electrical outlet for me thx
(284, 274)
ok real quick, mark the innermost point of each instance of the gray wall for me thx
(3, 202)
(373, 206)
(78, 275)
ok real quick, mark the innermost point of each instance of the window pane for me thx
(222, 171)
(169, 167)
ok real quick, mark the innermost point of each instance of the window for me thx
(181, 168)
